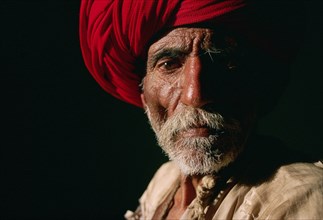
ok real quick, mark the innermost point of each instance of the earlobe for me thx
(142, 96)
(143, 100)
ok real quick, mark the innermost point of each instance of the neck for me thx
(187, 190)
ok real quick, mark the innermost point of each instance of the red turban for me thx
(114, 35)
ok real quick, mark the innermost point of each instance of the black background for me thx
(71, 151)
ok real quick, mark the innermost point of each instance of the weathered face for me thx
(194, 101)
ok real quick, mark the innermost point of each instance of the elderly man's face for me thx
(194, 101)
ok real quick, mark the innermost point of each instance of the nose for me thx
(192, 86)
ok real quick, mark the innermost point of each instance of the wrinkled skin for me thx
(181, 73)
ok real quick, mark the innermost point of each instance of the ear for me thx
(143, 100)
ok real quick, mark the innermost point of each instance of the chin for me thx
(203, 164)
(202, 155)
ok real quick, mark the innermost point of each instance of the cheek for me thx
(160, 95)
(168, 95)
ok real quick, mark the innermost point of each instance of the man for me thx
(207, 72)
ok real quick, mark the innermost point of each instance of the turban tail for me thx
(114, 35)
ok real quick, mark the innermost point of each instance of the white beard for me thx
(197, 154)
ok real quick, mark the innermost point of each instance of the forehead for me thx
(184, 38)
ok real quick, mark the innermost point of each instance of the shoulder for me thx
(298, 180)
(164, 178)
(168, 169)
(294, 192)
(301, 173)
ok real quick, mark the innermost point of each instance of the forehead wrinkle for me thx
(188, 40)
(207, 41)
(177, 42)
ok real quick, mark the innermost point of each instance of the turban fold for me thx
(115, 35)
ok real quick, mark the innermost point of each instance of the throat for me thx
(187, 191)
(184, 196)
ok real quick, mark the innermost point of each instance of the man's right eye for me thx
(169, 65)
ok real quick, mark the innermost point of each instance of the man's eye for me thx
(169, 65)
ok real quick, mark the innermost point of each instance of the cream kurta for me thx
(294, 192)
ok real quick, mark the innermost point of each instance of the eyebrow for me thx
(171, 52)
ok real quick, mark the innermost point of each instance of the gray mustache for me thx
(189, 118)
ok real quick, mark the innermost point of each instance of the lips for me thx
(200, 132)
